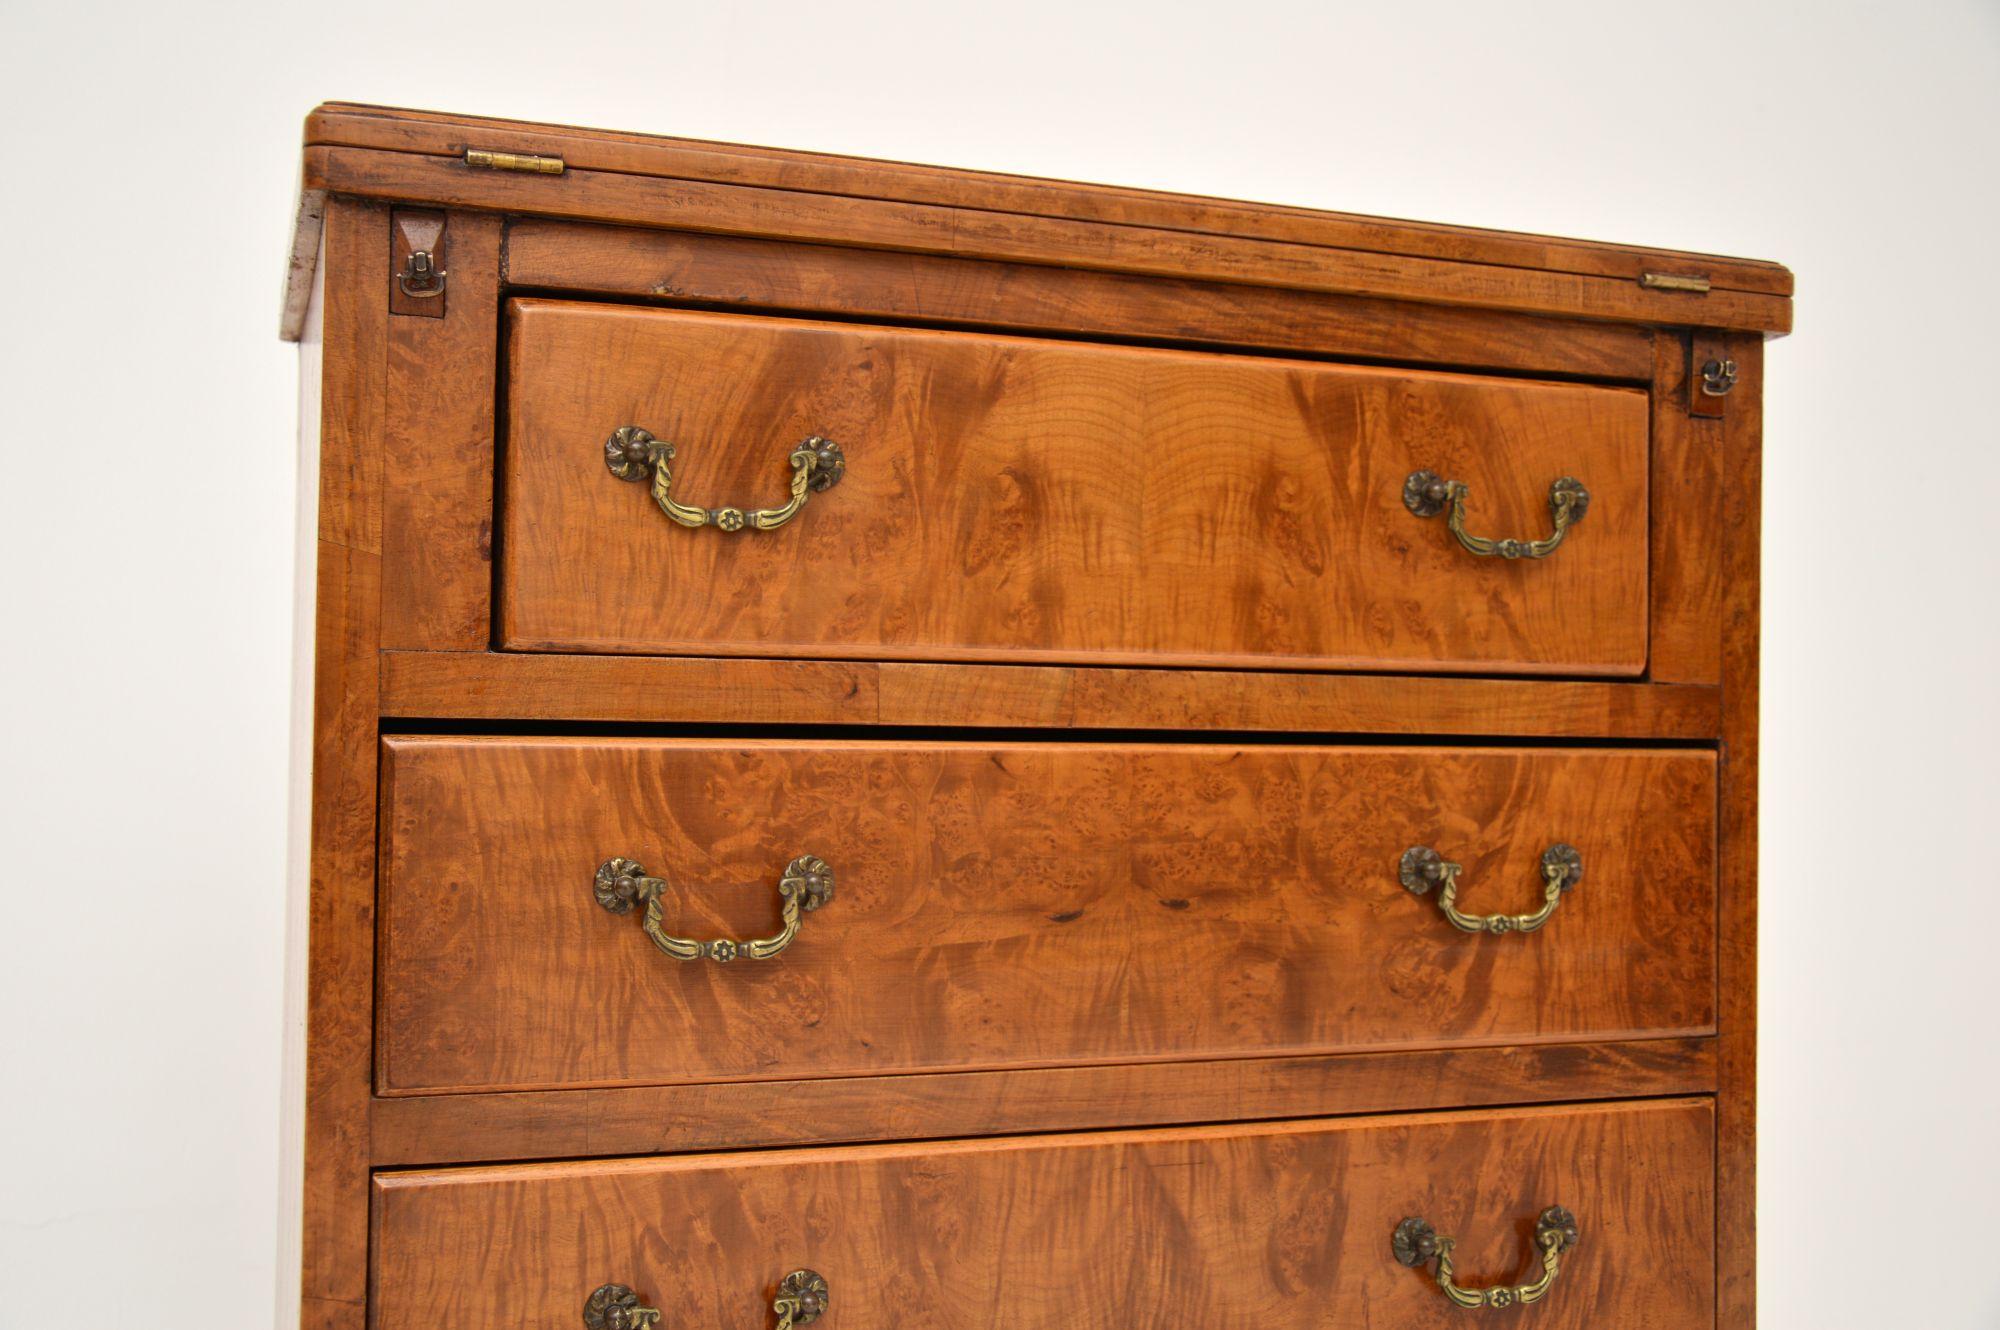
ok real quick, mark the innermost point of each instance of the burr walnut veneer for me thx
(897, 746)
(1111, 504)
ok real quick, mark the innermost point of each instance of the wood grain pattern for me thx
(1736, 1119)
(1088, 935)
(1284, 1225)
(414, 231)
(1016, 499)
(438, 455)
(724, 209)
(1687, 496)
(341, 910)
(1020, 905)
(761, 274)
(431, 133)
(556, 1124)
(665, 689)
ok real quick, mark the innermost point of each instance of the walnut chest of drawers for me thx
(904, 747)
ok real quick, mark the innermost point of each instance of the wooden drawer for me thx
(1008, 498)
(1286, 1224)
(1016, 905)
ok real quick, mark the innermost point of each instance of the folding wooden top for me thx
(641, 180)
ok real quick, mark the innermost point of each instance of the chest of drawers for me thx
(897, 746)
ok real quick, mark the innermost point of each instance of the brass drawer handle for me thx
(801, 1300)
(1426, 495)
(1423, 868)
(1415, 1242)
(615, 1307)
(633, 454)
(807, 884)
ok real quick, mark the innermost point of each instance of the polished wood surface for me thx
(732, 1115)
(1096, 879)
(438, 455)
(745, 274)
(1051, 232)
(1285, 1224)
(805, 218)
(431, 133)
(1015, 499)
(341, 894)
(1688, 569)
(1742, 621)
(1020, 905)
(709, 690)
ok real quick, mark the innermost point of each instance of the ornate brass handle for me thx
(633, 454)
(801, 1300)
(1415, 1242)
(615, 1307)
(1426, 495)
(806, 885)
(1423, 868)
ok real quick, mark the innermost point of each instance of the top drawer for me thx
(1014, 499)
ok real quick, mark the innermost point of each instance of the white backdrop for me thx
(146, 510)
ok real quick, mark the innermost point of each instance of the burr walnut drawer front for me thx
(682, 482)
(1600, 1216)
(565, 912)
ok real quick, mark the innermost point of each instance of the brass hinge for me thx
(1666, 281)
(514, 161)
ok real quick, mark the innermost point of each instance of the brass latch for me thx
(419, 254)
(514, 161)
(421, 278)
(1712, 374)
